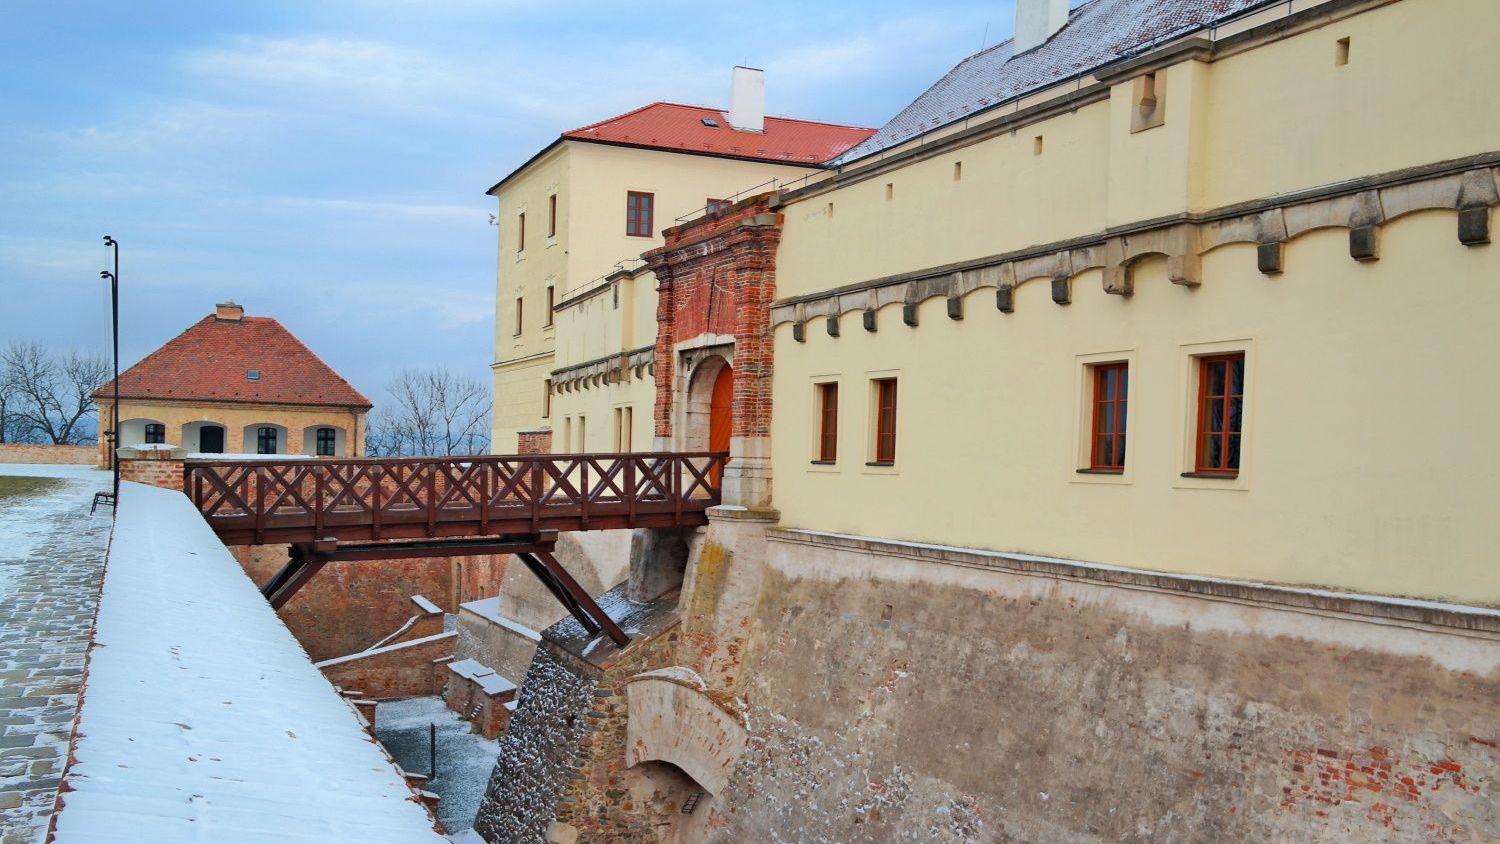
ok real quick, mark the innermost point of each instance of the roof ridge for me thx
(675, 104)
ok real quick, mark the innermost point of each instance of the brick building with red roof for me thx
(232, 384)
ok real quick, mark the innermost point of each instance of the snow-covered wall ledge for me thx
(203, 719)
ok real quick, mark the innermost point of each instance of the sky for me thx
(325, 163)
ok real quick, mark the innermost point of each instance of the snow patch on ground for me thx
(464, 759)
(59, 470)
(203, 719)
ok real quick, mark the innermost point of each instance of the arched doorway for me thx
(721, 413)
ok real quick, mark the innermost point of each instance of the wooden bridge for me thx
(373, 509)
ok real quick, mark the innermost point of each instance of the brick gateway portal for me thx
(381, 509)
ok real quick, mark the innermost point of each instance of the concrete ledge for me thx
(1369, 607)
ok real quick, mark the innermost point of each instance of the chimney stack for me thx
(747, 100)
(228, 311)
(1036, 21)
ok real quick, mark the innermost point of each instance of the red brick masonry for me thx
(717, 275)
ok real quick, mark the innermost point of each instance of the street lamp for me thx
(113, 435)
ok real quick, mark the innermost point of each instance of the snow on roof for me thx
(488, 680)
(409, 643)
(425, 605)
(489, 609)
(203, 719)
(1098, 33)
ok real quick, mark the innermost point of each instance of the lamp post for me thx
(114, 419)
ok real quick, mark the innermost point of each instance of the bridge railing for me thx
(279, 500)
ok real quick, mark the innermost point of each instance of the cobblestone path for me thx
(51, 561)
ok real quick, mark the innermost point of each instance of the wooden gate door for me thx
(721, 414)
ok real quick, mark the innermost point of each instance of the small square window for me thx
(155, 433)
(639, 213)
(252, 375)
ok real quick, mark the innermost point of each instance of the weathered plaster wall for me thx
(895, 695)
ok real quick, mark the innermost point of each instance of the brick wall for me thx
(717, 275)
(83, 455)
(534, 441)
(165, 472)
(408, 669)
(349, 606)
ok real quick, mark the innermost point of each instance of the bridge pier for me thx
(658, 561)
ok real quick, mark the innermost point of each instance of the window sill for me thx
(642, 236)
(1217, 476)
(824, 462)
(877, 464)
(1101, 471)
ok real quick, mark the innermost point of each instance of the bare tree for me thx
(49, 395)
(433, 412)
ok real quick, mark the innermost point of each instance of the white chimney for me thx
(747, 99)
(1036, 21)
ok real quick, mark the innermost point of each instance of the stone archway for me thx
(698, 410)
(672, 720)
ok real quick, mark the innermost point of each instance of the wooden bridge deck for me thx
(255, 502)
(372, 509)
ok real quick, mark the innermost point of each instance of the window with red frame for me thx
(828, 425)
(1111, 391)
(885, 422)
(1221, 406)
(717, 205)
(639, 213)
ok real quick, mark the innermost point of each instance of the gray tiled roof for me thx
(1098, 32)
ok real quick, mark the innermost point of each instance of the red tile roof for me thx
(209, 362)
(680, 128)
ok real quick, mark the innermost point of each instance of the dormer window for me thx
(252, 375)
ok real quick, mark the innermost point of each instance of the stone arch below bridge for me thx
(672, 720)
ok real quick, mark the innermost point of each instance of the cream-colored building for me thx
(1109, 451)
(587, 206)
(232, 384)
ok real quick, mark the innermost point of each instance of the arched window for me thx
(156, 432)
(265, 440)
(327, 438)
